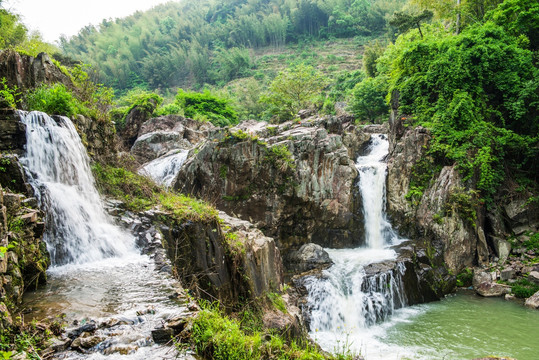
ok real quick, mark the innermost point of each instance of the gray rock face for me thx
(158, 136)
(12, 131)
(294, 181)
(533, 301)
(309, 257)
(431, 217)
(534, 277)
(27, 72)
(262, 259)
(522, 216)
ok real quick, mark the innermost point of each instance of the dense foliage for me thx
(478, 92)
(183, 44)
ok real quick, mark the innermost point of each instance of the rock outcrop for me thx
(220, 257)
(23, 254)
(295, 181)
(28, 72)
(158, 136)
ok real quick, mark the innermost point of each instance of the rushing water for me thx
(163, 170)
(344, 298)
(353, 311)
(97, 272)
(78, 229)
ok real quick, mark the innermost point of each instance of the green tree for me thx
(368, 99)
(405, 22)
(294, 89)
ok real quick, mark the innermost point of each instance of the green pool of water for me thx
(465, 326)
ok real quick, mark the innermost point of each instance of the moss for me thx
(140, 193)
(187, 208)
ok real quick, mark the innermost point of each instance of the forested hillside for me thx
(189, 44)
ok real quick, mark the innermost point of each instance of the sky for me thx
(53, 18)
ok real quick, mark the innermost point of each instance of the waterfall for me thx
(372, 187)
(364, 286)
(78, 229)
(163, 170)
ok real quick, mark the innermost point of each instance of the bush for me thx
(55, 99)
(215, 109)
(9, 95)
(524, 288)
(368, 100)
(294, 89)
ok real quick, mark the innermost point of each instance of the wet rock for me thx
(162, 335)
(492, 289)
(88, 327)
(309, 257)
(57, 344)
(533, 301)
(88, 342)
(534, 277)
(494, 358)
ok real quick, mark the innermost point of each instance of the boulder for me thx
(534, 277)
(507, 274)
(533, 301)
(481, 276)
(488, 289)
(309, 257)
(502, 248)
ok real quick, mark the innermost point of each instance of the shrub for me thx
(8, 94)
(294, 89)
(215, 109)
(524, 288)
(55, 99)
(368, 100)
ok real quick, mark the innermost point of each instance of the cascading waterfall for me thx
(372, 186)
(78, 229)
(163, 170)
(345, 299)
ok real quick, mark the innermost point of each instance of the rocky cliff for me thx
(295, 181)
(429, 201)
(216, 257)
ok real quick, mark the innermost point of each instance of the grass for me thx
(140, 193)
(219, 337)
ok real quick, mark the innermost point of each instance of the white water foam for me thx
(163, 170)
(350, 309)
(78, 229)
